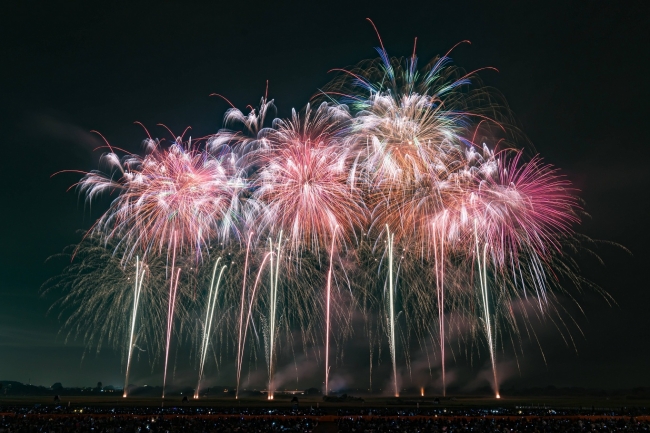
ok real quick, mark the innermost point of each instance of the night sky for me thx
(574, 75)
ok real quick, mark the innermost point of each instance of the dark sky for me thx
(574, 73)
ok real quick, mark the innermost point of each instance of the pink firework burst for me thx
(304, 183)
(173, 199)
(522, 207)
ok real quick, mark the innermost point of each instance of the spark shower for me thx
(401, 204)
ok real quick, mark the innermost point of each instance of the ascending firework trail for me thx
(207, 324)
(137, 291)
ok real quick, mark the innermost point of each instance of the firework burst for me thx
(171, 200)
(303, 181)
(387, 185)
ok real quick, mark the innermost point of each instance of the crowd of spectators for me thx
(135, 419)
(319, 411)
(494, 411)
(158, 410)
(132, 424)
(492, 425)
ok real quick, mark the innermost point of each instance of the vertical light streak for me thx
(269, 361)
(209, 315)
(273, 308)
(327, 314)
(173, 287)
(241, 315)
(440, 289)
(370, 368)
(172, 301)
(137, 290)
(391, 302)
(482, 270)
(248, 317)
